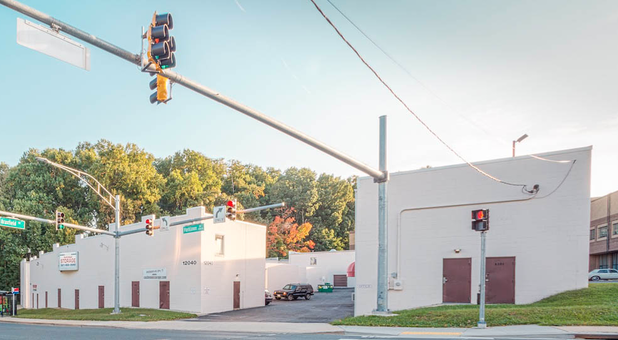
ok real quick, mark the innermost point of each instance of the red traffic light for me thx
(148, 222)
(230, 204)
(480, 215)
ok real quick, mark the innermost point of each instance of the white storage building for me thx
(197, 267)
(536, 246)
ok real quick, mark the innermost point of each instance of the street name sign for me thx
(193, 228)
(52, 43)
(219, 214)
(12, 223)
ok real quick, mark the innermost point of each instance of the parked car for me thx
(603, 274)
(293, 291)
(268, 296)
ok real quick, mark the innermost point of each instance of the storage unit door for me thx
(340, 280)
(456, 274)
(164, 295)
(500, 280)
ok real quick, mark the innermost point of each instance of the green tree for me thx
(298, 189)
(192, 180)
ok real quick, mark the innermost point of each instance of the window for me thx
(613, 271)
(603, 271)
(219, 245)
(603, 232)
(615, 260)
(603, 262)
(615, 229)
(593, 234)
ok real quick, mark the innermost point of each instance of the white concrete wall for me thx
(547, 235)
(182, 255)
(329, 263)
(280, 274)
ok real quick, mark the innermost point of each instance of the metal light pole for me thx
(382, 303)
(518, 141)
(113, 202)
(482, 323)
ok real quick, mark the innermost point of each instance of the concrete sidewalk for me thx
(598, 332)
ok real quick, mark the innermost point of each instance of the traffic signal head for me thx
(161, 84)
(59, 220)
(161, 45)
(231, 210)
(480, 220)
(149, 227)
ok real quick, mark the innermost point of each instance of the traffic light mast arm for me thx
(44, 220)
(195, 86)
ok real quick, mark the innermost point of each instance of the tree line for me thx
(319, 213)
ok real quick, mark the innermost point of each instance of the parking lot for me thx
(323, 307)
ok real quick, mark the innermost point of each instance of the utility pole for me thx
(380, 176)
(482, 323)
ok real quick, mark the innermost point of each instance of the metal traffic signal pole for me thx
(380, 176)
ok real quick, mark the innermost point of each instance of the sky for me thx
(481, 74)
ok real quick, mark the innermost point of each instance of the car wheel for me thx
(290, 298)
(267, 303)
(308, 297)
(595, 278)
(278, 298)
(295, 297)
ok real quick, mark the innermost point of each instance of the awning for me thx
(351, 269)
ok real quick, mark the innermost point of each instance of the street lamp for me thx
(518, 141)
(113, 202)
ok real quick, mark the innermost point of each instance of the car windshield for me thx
(289, 287)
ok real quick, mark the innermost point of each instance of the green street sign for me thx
(193, 228)
(12, 223)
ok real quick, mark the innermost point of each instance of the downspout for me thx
(535, 191)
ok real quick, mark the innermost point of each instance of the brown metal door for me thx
(77, 299)
(500, 280)
(101, 296)
(37, 300)
(164, 294)
(135, 294)
(456, 275)
(236, 294)
(340, 280)
(59, 299)
(45, 299)
(32, 300)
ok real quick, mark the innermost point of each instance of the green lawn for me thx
(104, 314)
(593, 306)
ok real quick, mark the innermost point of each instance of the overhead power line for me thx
(410, 110)
(412, 76)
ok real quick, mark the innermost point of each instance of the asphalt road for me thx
(323, 307)
(10, 331)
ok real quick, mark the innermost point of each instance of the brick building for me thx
(604, 232)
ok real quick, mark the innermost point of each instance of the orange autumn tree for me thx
(285, 235)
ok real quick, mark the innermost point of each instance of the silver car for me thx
(603, 274)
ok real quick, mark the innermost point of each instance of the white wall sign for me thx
(68, 261)
(155, 274)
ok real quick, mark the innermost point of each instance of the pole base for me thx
(481, 324)
(116, 311)
(382, 313)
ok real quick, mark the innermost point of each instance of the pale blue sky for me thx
(503, 68)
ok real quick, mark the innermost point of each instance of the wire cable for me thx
(413, 77)
(408, 108)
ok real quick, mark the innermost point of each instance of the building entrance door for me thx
(135, 294)
(59, 298)
(45, 299)
(77, 299)
(456, 274)
(101, 296)
(340, 280)
(500, 280)
(164, 294)
(236, 294)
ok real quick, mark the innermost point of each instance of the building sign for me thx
(68, 261)
(193, 228)
(34, 288)
(155, 274)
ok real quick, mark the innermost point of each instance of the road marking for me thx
(430, 333)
